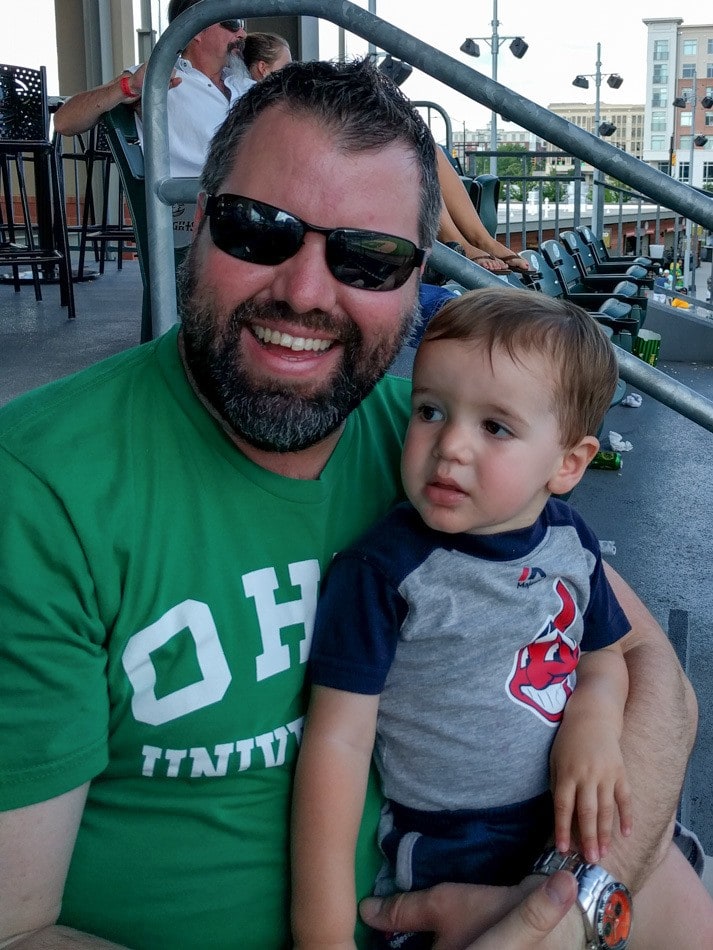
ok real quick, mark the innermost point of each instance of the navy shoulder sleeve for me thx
(360, 610)
(604, 620)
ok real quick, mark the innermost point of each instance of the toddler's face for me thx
(483, 441)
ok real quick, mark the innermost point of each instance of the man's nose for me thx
(304, 280)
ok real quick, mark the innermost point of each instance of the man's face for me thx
(220, 41)
(285, 352)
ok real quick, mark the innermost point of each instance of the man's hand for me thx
(480, 917)
(531, 924)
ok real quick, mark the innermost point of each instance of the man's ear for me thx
(200, 210)
(573, 465)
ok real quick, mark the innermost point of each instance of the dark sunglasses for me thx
(259, 233)
(233, 25)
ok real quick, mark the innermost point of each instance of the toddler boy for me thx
(449, 639)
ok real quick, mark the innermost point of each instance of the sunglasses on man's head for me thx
(259, 233)
(233, 25)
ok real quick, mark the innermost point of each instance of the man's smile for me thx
(296, 343)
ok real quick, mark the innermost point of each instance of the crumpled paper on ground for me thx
(633, 400)
(619, 444)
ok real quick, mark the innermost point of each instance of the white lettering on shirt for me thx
(273, 617)
(195, 618)
(225, 758)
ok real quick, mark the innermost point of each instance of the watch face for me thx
(614, 917)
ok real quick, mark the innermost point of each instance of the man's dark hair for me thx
(358, 104)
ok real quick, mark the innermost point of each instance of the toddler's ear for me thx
(573, 465)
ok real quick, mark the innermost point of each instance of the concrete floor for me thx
(37, 341)
(656, 510)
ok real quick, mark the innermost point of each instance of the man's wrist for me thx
(125, 86)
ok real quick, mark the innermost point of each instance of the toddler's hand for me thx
(589, 785)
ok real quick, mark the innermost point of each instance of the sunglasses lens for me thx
(259, 233)
(371, 260)
(233, 25)
(253, 231)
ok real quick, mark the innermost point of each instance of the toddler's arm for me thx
(587, 766)
(330, 786)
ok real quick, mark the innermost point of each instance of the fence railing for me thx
(162, 190)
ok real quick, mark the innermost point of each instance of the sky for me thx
(562, 38)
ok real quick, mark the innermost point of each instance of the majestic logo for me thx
(530, 576)
(542, 677)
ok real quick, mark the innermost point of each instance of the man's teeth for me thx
(291, 342)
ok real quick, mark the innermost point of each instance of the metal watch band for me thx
(593, 882)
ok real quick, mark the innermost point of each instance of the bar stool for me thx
(101, 232)
(24, 136)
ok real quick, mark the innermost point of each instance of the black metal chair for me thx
(25, 136)
(123, 140)
(97, 229)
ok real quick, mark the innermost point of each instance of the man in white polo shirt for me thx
(209, 76)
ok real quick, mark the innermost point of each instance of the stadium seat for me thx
(617, 314)
(602, 255)
(589, 266)
(577, 288)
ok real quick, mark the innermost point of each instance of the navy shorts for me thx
(482, 846)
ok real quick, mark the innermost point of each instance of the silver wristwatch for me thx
(605, 902)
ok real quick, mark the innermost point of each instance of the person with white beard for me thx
(209, 77)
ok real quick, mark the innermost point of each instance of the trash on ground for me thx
(633, 400)
(618, 443)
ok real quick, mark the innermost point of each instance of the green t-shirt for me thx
(157, 594)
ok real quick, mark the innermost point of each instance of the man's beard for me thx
(234, 62)
(270, 416)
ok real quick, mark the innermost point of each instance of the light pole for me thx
(601, 129)
(518, 48)
(681, 102)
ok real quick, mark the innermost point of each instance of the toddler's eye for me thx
(429, 413)
(496, 429)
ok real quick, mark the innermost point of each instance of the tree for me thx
(555, 189)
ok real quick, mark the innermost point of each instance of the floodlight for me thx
(581, 82)
(518, 47)
(700, 140)
(680, 102)
(396, 70)
(707, 102)
(606, 129)
(614, 81)
(470, 47)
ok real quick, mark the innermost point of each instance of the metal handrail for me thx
(161, 190)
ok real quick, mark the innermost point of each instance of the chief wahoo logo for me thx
(542, 677)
